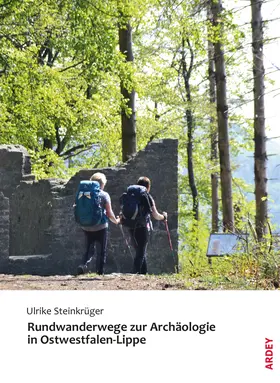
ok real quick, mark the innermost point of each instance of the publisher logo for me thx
(269, 354)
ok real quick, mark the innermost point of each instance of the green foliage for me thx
(258, 267)
(194, 241)
(47, 164)
(60, 75)
(59, 80)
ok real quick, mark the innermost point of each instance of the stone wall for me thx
(38, 234)
(4, 229)
(14, 167)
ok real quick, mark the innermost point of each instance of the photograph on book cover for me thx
(139, 164)
(138, 146)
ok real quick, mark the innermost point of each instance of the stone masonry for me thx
(38, 234)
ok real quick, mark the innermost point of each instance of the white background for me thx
(234, 353)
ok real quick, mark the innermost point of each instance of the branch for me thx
(104, 13)
(192, 59)
(75, 154)
(71, 66)
(69, 151)
(156, 134)
(162, 114)
(64, 142)
(58, 140)
(15, 43)
(272, 138)
(248, 101)
(84, 148)
(52, 58)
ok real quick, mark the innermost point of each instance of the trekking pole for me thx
(125, 239)
(170, 244)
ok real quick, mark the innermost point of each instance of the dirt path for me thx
(89, 282)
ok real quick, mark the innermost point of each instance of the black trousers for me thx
(93, 237)
(140, 237)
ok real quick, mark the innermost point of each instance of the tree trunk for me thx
(48, 144)
(259, 120)
(42, 54)
(128, 121)
(222, 115)
(187, 71)
(213, 132)
(157, 116)
(192, 183)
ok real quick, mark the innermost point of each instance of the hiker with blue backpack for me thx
(92, 210)
(137, 206)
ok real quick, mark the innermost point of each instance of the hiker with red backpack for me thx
(137, 206)
(92, 210)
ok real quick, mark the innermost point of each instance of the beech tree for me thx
(128, 119)
(222, 119)
(213, 127)
(260, 155)
(187, 70)
(59, 67)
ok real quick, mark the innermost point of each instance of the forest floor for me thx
(125, 282)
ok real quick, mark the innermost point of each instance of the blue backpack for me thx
(88, 210)
(135, 206)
